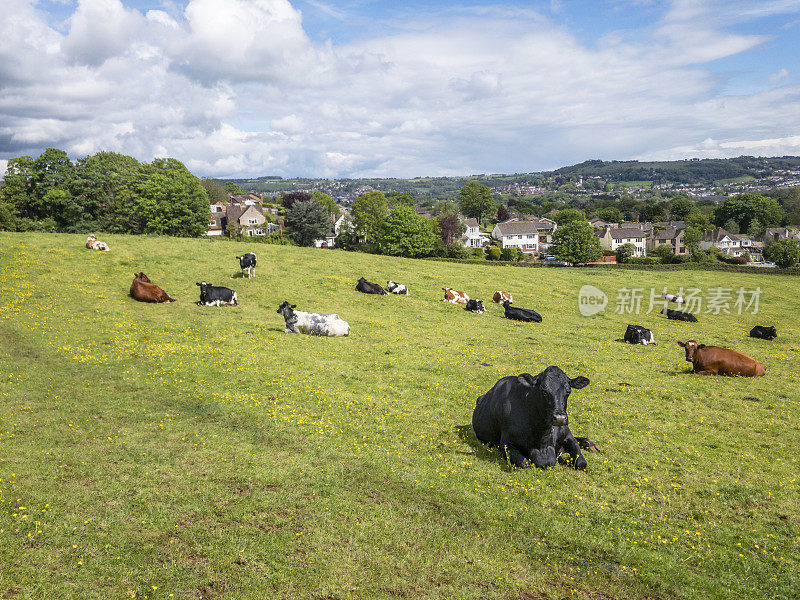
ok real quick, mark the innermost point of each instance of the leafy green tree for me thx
(234, 188)
(743, 208)
(405, 233)
(731, 226)
(475, 200)
(104, 185)
(699, 220)
(625, 253)
(575, 243)
(17, 188)
(692, 238)
(665, 252)
(784, 253)
(325, 200)
(651, 212)
(368, 212)
(400, 198)
(754, 228)
(681, 208)
(309, 221)
(217, 194)
(511, 254)
(610, 214)
(569, 215)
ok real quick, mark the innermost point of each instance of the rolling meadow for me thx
(178, 451)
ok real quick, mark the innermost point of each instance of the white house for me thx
(611, 238)
(518, 234)
(472, 237)
(329, 241)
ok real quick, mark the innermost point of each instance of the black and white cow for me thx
(475, 306)
(248, 264)
(672, 298)
(526, 416)
(764, 333)
(636, 334)
(369, 288)
(396, 288)
(678, 315)
(312, 323)
(211, 295)
(521, 314)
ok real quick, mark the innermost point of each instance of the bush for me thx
(511, 254)
(494, 253)
(732, 260)
(625, 253)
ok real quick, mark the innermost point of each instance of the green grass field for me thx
(178, 451)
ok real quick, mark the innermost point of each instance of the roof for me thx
(519, 227)
(670, 233)
(471, 222)
(620, 233)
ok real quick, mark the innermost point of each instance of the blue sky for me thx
(238, 88)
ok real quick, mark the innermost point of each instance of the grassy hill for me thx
(178, 451)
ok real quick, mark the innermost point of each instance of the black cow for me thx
(521, 314)
(248, 264)
(764, 333)
(679, 315)
(475, 306)
(526, 417)
(211, 295)
(369, 288)
(636, 334)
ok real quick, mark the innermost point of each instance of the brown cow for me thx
(143, 290)
(501, 297)
(94, 244)
(454, 296)
(713, 360)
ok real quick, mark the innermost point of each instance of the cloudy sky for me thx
(351, 88)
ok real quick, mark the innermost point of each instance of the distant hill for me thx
(701, 172)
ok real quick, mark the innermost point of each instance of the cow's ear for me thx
(701, 346)
(682, 344)
(293, 306)
(578, 382)
(197, 284)
(527, 379)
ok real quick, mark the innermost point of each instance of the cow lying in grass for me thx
(367, 287)
(396, 288)
(475, 306)
(713, 360)
(454, 296)
(94, 244)
(678, 315)
(212, 295)
(144, 290)
(499, 297)
(521, 314)
(526, 417)
(312, 323)
(636, 334)
(764, 333)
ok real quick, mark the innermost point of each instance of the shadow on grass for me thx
(482, 451)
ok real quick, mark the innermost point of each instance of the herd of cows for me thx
(525, 416)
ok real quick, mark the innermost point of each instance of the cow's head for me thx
(361, 280)
(390, 285)
(203, 289)
(691, 347)
(771, 331)
(142, 277)
(553, 388)
(506, 303)
(285, 309)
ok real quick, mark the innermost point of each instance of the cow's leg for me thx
(571, 446)
(544, 457)
(517, 458)
(706, 372)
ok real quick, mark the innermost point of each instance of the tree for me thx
(475, 200)
(681, 208)
(503, 214)
(784, 253)
(217, 194)
(309, 221)
(575, 243)
(665, 252)
(754, 228)
(569, 215)
(405, 233)
(326, 201)
(743, 208)
(625, 253)
(400, 198)
(691, 238)
(368, 211)
(699, 220)
(450, 227)
(234, 188)
(610, 214)
(289, 198)
(731, 226)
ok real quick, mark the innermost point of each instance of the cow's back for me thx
(727, 362)
(487, 418)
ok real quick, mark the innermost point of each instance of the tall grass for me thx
(178, 451)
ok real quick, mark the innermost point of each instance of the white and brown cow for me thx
(454, 296)
(94, 244)
(501, 297)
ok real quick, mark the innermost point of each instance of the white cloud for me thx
(236, 87)
(778, 76)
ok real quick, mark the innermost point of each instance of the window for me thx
(252, 221)
(259, 232)
(211, 223)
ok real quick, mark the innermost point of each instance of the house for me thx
(611, 238)
(670, 236)
(337, 221)
(472, 237)
(216, 225)
(732, 244)
(248, 216)
(518, 234)
(776, 234)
